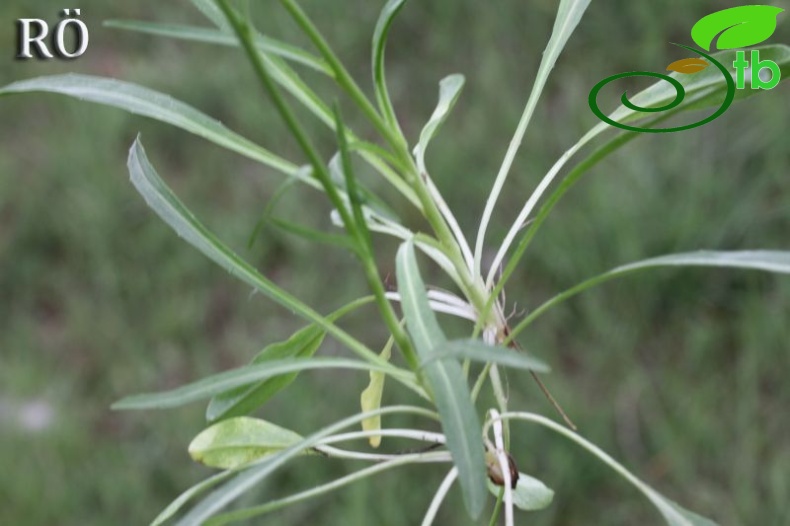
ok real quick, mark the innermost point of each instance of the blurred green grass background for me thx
(681, 374)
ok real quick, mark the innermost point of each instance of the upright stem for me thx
(473, 288)
(341, 74)
(320, 171)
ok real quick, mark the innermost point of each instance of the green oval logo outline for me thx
(593, 98)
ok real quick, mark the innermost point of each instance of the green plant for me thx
(435, 369)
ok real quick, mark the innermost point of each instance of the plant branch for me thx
(366, 255)
(342, 75)
(245, 35)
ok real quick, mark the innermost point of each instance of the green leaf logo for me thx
(738, 27)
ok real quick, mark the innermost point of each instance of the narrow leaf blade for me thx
(303, 344)
(312, 235)
(703, 90)
(767, 260)
(569, 15)
(215, 36)
(167, 206)
(174, 507)
(479, 351)
(212, 13)
(449, 90)
(446, 380)
(155, 105)
(219, 383)
(673, 514)
(388, 14)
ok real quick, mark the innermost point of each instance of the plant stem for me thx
(366, 255)
(497, 508)
(244, 33)
(481, 379)
(342, 76)
(439, 497)
(569, 180)
(255, 511)
(473, 290)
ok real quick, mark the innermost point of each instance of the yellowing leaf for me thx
(370, 399)
(238, 441)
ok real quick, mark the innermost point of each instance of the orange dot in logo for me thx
(688, 65)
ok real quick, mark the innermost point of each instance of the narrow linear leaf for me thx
(368, 199)
(236, 442)
(420, 320)
(387, 16)
(158, 106)
(530, 494)
(765, 260)
(302, 344)
(313, 235)
(479, 351)
(262, 509)
(212, 13)
(188, 495)
(286, 77)
(569, 15)
(268, 210)
(446, 380)
(242, 401)
(673, 514)
(439, 496)
(676, 515)
(167, 206)
(342, 76)
(449, 91)
(358, 228)
(219, 383)
(768, 260)
(351, 184)
(360, 146)
(164, 202)
(223, 38)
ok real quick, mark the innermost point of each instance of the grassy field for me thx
(681, 374)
